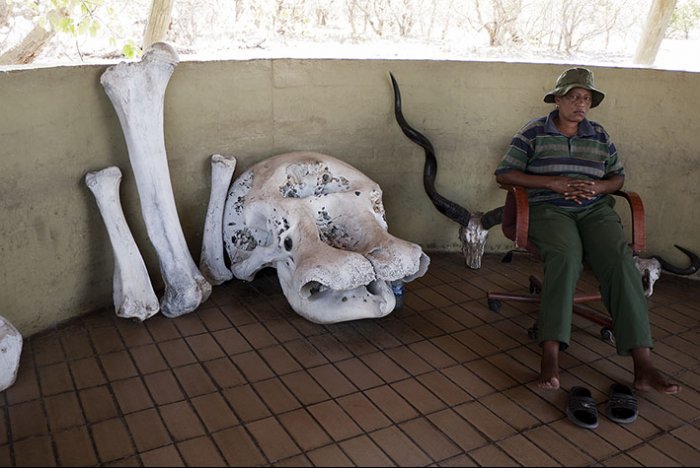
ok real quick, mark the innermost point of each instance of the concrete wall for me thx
(56, 124)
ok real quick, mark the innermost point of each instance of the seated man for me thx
(569, 166)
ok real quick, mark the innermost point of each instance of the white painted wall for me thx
(57, 124)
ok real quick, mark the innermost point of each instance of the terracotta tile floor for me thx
(444, 381)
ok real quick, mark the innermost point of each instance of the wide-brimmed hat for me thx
(575, 78)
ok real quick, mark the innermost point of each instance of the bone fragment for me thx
(10, 352)
(211, 261)
(133, 293)
(137, 91)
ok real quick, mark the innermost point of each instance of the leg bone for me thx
(137, 91)
(211, 261)
(133, 294)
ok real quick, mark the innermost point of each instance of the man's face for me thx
(574, 104)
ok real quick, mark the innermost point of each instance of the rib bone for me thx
(211, 261)
(137, 92)
(133, 294)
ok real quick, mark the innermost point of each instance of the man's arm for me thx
(572, 189)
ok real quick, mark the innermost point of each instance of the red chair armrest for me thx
(637, 213)
(516, 215)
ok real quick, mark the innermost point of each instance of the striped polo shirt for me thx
(539, 148)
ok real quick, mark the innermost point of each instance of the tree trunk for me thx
(4, 13)
(158, 22)
(28, 48)
(654, 30)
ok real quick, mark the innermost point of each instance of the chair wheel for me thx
(532, 332)
(495, 305)
(607, 335)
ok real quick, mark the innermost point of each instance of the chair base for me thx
(494, 302)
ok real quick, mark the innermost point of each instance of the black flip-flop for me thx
(622, 405)
(581, 408)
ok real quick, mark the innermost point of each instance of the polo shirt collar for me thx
(584, 128)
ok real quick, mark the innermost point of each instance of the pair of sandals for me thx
(621, 407)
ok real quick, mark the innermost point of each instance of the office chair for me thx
(515, 227)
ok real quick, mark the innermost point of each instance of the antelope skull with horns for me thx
(474, 227)
(650, 268)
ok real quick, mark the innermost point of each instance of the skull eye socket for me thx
(288, 244)
(314, 290)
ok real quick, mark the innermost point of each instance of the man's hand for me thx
(576, 190)
(583, 190)
(571, 188)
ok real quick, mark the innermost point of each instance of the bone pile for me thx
(315, 219)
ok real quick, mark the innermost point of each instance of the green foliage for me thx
(74, 17)
(131, 50)
(78, 19)
(686, 16)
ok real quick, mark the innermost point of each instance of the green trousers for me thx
(566, 237)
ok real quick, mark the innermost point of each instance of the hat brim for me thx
(597, 96)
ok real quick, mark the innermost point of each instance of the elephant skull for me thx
(320, 223)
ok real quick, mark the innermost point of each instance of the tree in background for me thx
(28, 27)
(582, 21)
(685, 17)
(498, 18)
(83, 30)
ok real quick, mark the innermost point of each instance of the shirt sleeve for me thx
(517, 155)
(613, 165)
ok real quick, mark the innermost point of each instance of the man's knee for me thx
(564, 255)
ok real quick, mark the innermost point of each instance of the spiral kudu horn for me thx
(474, 227)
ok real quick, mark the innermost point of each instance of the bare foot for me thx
(549, 366)
(651, 379)
(548, 382)
(647, 377)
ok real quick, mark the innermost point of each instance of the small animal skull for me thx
(320, 223)
(650, 269)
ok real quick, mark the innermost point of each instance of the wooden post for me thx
(28, 48)
(158, 22)
(654, 30)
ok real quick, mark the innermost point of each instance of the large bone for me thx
(10, 352)
(321, 224)
(137, 91)
(133, 293)
(211, 261)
